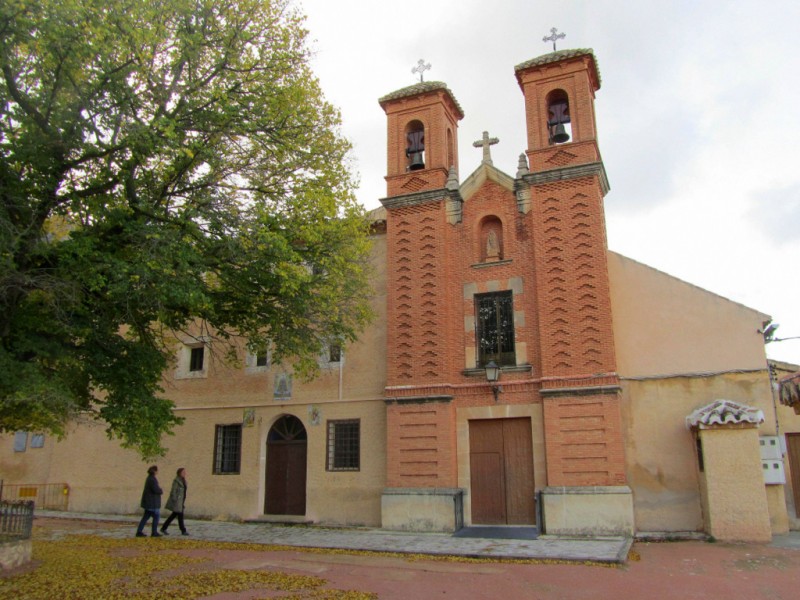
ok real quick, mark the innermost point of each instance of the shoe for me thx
(184, 533)
(155, 535)
(140, 534)
(164, 532)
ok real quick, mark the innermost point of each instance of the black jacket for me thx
(151, 496)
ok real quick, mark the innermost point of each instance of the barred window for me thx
(495, 328)
(344, 445)
(227, 449)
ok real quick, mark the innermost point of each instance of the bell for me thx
(417, 162)
(560, 134)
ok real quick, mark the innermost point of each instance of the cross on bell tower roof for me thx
(553, 37)
(485, 142)
(421, 67)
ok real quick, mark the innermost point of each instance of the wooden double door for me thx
(501, 472)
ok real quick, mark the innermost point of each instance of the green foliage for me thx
(163, 164)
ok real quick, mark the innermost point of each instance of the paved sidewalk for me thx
(610, 550)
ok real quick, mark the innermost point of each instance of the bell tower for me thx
(422, 122)
(580, 392)
(422, 204)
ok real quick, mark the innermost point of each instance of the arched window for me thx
(415, 146)
(559, 125)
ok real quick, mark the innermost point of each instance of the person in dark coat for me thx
(176, 502)
(151, 503)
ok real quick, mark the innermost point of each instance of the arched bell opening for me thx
(559, 124)
(415, 146)
(287, 448)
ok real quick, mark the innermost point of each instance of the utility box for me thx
(773, 471)
(770, 447)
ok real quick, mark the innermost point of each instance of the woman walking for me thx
(151, 502)
(176, 501)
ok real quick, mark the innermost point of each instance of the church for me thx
(517, 371)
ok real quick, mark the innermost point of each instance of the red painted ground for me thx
(679, 570)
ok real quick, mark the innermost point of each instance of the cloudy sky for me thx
(698, 119)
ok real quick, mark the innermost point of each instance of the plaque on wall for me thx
(283, 386)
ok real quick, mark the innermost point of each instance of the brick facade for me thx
(549, 254)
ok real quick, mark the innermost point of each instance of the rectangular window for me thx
(344, 445)
(262, 358)
(494, 330)
(334, 353)
(227, 449)
(196, 358)
(20, 441)
(37, 440)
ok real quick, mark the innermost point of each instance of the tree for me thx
(162, 164)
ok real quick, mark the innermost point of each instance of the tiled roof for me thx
(724, 412)
(789, 387)
(420, 88)
(558, 55)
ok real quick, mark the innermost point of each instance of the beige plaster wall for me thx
(663, 325)
(737, 499)
(661, 459)
(103, 477)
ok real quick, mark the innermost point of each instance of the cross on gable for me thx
(421, 67)
(485, 142)
(553, 37)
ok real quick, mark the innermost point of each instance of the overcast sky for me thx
(698, 119)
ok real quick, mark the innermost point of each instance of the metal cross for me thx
(553, 37)
(486, 141)
(421, 67)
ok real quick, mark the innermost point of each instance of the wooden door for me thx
(286, 468)
(501, 472)
(793, 451)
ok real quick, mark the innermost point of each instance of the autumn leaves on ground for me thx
(88, 566)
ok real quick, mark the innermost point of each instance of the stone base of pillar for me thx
(422, 509)
(588, 511)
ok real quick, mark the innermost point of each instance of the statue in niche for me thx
(492, 246)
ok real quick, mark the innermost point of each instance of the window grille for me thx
(227, 449)
(495, 328)
(344, 445)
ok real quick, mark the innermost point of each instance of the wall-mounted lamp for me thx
(492, 376)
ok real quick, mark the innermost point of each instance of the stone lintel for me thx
(418, 399)
(581, 391)
(570, 172)
(421, 198)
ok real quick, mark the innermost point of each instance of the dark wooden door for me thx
(286, 469)
(793, 451)
(501, 472)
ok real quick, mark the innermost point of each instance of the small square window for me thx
(196, 358)
(37, 440)
(262, 358)
(227, 449)
(344, 445)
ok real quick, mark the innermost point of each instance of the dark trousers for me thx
(172, 518)
(155, 512)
